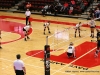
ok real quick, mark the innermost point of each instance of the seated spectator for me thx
(21, 6)
(65, 6)
(72, 2)
(97, 13)
(71, 10)
(44, 10)
(49, 10)
(91, 13)
(28, 5)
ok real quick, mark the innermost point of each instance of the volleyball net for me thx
(59, 39)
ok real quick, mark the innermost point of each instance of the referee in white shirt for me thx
(71, 51)
(19, 66)
(27, 14)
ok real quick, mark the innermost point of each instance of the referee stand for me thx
(47, 58)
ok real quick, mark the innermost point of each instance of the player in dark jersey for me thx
(46, 25)
(26, 30)
(98, 43)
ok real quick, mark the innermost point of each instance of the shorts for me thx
(24, 29)
(92, 26)
(69, 54)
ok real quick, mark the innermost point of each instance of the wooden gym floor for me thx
(30, 50)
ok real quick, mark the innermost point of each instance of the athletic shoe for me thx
(49, 32)
(28, 37)
(0, 47)
(25, 39)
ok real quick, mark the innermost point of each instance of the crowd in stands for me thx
(95, 13)
(8, 3)
(69, 7)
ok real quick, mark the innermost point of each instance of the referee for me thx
(27, 14)
(19, 67)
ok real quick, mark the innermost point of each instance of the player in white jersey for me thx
(77, 27)
(46, 25)
(26, 31)
(71, 51)
(92, 27)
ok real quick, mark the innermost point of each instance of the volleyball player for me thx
(98, 43)
(77, 28)
(26, 31)
(71, 51)
(92, 27)
(46, 25)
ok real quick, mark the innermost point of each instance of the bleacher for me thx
(38, 5)
(7, 3)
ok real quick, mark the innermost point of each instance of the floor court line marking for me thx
(32, 55)
(75, 60)
(29, 65)
(40, 52)
(37, 53)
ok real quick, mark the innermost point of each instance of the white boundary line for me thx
(74, 60)
(30, 65)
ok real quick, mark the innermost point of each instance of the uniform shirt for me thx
(18, 64)
(27, 13)
(46, 24)
(77, 25)
(27, 27)
(98, 36)
(71, 49)
(92, 23)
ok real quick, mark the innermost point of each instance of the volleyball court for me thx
(60, 41)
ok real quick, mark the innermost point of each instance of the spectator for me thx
(44, 10)
(71, 10)
(91, 13)
(65, 6)
(28, 5)
(97, 13)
